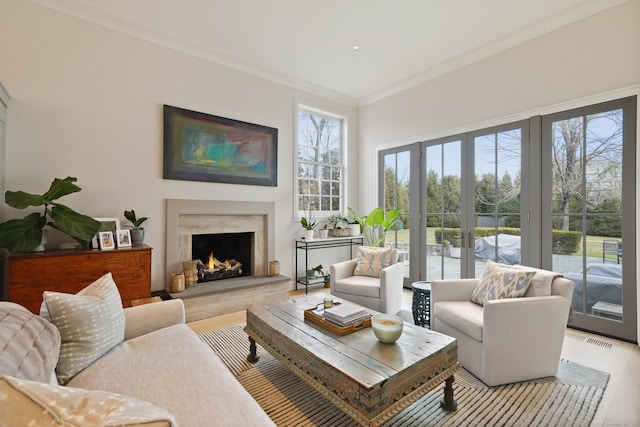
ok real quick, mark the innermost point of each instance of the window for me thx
(320, 138)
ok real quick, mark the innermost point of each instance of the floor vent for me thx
(600, 343)
(576, 337)
(588, 340)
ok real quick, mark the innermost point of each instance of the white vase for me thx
(324, 233)
(43, 241)
(355, 229)
(308, 234)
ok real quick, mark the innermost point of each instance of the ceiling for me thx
(310, 44)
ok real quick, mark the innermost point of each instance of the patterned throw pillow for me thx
(32, 403)
(371, 260)
(29, 345)
(90, 322)
(500, 281)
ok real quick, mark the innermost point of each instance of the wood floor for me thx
(620, 405)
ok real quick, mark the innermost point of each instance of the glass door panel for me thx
(397, 180)
(497, 189)
(443, 210)
(587, 208)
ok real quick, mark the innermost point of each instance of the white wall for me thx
(598, 54)
(589, 61)
(87, 102)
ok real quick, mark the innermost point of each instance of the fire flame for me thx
(210, 264)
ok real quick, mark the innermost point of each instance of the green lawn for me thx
(593, 244)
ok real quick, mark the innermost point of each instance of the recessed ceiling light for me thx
(356, 48)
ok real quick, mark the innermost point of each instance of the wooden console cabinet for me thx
(30, 274)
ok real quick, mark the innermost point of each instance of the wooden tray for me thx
(332, 327)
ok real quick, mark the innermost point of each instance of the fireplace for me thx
(222, 255)
(187, 219)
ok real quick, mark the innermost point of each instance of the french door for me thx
(588, 200)
(472, 204)
(556, 192)
(460, 198)
(499, 158)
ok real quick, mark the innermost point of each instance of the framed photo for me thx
(107, 224)
(106, 240)
(202, 147)
(123, 238)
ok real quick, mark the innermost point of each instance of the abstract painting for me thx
(202, 147)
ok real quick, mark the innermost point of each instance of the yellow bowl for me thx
(387, 327)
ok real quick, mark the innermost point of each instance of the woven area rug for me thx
(569, 399)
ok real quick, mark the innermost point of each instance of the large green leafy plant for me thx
(376, 224)
(23, 235)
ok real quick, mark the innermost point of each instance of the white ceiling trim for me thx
(515, 38)
(571, 104)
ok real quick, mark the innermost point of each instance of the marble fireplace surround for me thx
(186, 217)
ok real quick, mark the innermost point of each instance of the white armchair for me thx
(383, 292)
(506, 340)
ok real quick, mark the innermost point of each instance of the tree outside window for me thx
(320, 142)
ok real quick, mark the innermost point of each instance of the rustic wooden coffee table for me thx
(368, 380)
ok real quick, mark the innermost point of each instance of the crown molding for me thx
(537, 29)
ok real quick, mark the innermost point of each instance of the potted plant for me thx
(324, 231)
(354, 226)
(318, 271)
(376, 224)
(309, 222)
(309, 226)
(137, 232)
(26, 234)
(338, 225)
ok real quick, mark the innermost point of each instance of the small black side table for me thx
(421, 301)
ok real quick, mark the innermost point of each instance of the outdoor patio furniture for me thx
(604, 283)
(611, 247)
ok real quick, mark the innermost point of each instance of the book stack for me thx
(345, 314)
(311, 280)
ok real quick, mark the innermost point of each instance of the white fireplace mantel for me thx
(186, 217)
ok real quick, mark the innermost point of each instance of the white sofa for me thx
(173, 377)
(506, 340)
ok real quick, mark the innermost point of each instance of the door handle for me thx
(470, 240)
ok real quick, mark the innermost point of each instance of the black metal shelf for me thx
(329, 242)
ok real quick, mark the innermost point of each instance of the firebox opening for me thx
(223, 255)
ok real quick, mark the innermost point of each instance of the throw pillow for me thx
(541, 283)
(371, 260)
(500, 281)
(29, 345)
(32, 403)
(90, 322)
